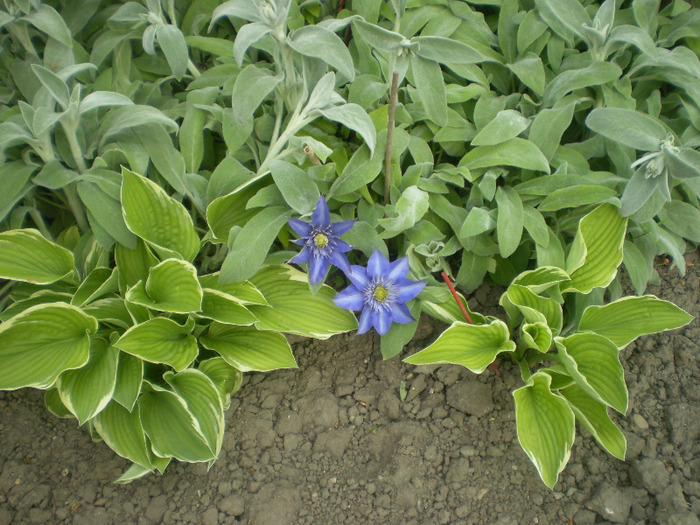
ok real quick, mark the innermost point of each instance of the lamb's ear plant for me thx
(566, 346)
(147, 352)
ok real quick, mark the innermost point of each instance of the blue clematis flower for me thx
(381, 291)
(322, 245)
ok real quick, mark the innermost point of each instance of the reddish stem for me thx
(449, 284)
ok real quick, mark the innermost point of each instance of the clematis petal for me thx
(382, 321)
(378, 265)
(358, 277)
(303, 256)
(399, 269)
(302, 228)
(351, 299)
(409, 291)
(365, 321)
(339, 228)
(321, 218)
(341, 261)
(401, 314)
(342, 246)
(300, 242)
(317, 269)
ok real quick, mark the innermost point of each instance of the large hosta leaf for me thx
(129, 378)
(596, 250)
(157, 218)
(593, 361)
(594, 416)
(171, 286)
(122, 431)
(545, 425)
(536, 308)
(226, 378)
(37, 345)
(172, 428)
(160, 340)
(295, 309)
(25, 255)
(88, 390)
(225, 309)
(626, 319)
(249, 349)
(470, 345)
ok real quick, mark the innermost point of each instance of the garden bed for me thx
(333, 443)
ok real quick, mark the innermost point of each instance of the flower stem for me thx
(446, 278)
(390, 136)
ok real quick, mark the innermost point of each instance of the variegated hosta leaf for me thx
(537, 336)
(129, 378)
(470, 345)
(171, 286)
(295, 309)
(25, 255)
(624, 320)
(249, 349)
(225, 308)
(37, 345)
(122, 431)
(160, 340)
(535, 308)
(545, 425)
(100, 282)
(245, 292)
(542, 278)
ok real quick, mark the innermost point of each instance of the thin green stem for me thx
(39, 222)
(390, 136)
(193, 69)
(524, 370)
(75, 149)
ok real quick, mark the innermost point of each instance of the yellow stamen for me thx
(320, 240)
(380, 293)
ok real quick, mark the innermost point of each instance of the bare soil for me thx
(333, 443)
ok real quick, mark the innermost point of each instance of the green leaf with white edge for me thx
(225, 309)
(129, 378)
(88, 390)
(252, 243)
(542, 278)
(54, 404)
(624, 320)
(594, 416)
(507, 124)
(546, 426)
(628, 127)
(294, 309)
(596, 74)
(127, 117)
(25, 255)
(226, 378)
(103, 99)
(204, 403)
(536, 335)
(122, 431)
(297, 188)
(530, 70)
(409, 209)
(244, 292)
(53, 83)
(134, 472)
(110, 310)
(601, 233)
(157, 218)
(160, 340)
(37, 345)
(536, 308)
(400, 335)
(249, 349)
(430, 88)
(509, 224)
(318, 42)
(172, 286)
(354, 117)
(516, 152)
(472, 346)
(171, 427)
(594, 362)
(449, 312)
(447, 50)
(45, 18)
(172, 43)
(575, 196)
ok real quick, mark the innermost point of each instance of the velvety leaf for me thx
(318, 42)
(530, 70)
(172, 43)
(681, 218)
(107, 212)
(430, 88)
(37, 345)
(160, 340)
(127, 117)
(627, 127)
(192, 127)
(409, 209)
(576, 196)
(516, 152)
(25, 255)
(447, 50)
(469, 345)
(399, 335)
(564, 17)
(509, 225)
(549, 126)
(354, 117)
(56, 87)
(297, 188)
(45, 18)
(596, 74)
(249, 349)
(376, 36)
(506, 125)
(103, 99)
(624, 320)
(545, 425)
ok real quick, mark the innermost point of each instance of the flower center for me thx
(320, 240)
(380, 293)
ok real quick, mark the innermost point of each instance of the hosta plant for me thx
(146, 352)
(566, 346)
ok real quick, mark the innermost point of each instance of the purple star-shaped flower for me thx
(322, 243)
(381, 291)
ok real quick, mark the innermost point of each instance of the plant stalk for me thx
(390, 136)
